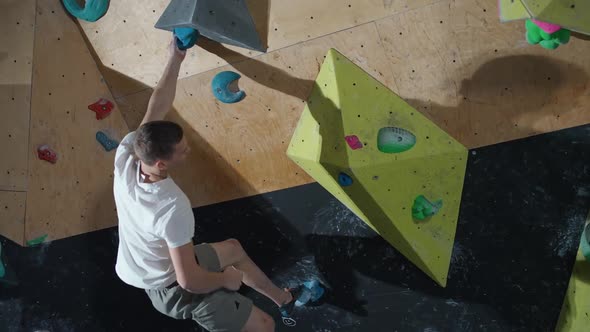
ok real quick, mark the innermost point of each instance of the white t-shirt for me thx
(152, 218)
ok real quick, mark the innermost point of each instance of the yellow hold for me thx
(512, 10)
(347, 101)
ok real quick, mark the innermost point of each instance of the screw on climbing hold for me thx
(103, 107)
(91, 12)
(395, 140)
(107, 143)
(37, 240)
(44, 152)
(353, 142)
(222, 89)
(344, 179)
(423, 208)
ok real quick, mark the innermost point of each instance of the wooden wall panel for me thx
(133, 107)
(74, 195)
(12, 215)
(126, 41)
(476, 78)
(479, 79)
(17, 22)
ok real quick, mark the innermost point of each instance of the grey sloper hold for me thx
(225, 21)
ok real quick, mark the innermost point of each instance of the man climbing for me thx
(156, 227)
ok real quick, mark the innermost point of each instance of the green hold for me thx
(37, 241)
(585, 245)
(536, 35)
(92, 11)
(395, 140)
(423, 208)
(2, 268)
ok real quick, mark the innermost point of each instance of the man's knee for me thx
(236, 248)
(260, 321)
(269, 324)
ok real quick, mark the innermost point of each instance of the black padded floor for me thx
(523, 208)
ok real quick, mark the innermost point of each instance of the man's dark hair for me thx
(156, 140)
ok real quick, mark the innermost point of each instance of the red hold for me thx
(103, 107)
(44, 152)
(354, 142)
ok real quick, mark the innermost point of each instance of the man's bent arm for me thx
(190, 275)
(163, 96)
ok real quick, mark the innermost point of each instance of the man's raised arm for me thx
(164, 93)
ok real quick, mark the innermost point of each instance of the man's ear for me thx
(161, 165)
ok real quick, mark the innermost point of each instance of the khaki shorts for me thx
(221, 310)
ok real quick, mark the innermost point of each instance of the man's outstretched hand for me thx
(233, 278)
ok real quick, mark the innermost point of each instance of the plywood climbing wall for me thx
(74, 195)
(12, 215)
(16, 46)
(126, 41)
(17, 22)
(479, 79)
(472, 75)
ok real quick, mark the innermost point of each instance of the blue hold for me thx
(186, 37)
(312, 291)
(220, 87)
(107, 143)
(92, 11)
(344, 179)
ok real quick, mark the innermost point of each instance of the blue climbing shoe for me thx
(287, 309)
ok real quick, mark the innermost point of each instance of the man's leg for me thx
(231, 253)
(259, 321)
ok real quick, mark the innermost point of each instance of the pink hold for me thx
(354, 142)
(547, 27)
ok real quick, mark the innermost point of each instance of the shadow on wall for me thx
(580, 36)
(205, 166)
(503, 97)
(260, 72)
